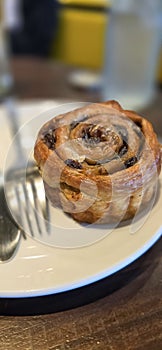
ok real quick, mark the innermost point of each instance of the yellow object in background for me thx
(93, 3)
(81, 34)
(80, 39)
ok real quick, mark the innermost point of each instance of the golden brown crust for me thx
(99, 162)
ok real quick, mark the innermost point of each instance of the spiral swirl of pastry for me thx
(100, 163)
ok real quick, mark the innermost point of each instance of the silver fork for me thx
(24, 187)
(27, 202)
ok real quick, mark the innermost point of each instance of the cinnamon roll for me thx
(99, 163)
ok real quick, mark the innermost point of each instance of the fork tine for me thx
(27, 210)
(20, 211)
(32, 213)
(47, 216)
(41, 210)
(28, 202)
(36, 205)
(36, 212)
(23, 204)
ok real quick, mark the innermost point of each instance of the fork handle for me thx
(13, 118)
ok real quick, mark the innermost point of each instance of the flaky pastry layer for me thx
(99, 163)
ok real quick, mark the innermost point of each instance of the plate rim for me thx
(26, 293)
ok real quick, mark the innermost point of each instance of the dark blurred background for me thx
(71, 31)
(32, 26)
(57, 47)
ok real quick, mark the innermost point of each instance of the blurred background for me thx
(77, 49)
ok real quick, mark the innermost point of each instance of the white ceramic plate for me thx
(38, 269)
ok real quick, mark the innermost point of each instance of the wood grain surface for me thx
(38, 78)
(122, 312)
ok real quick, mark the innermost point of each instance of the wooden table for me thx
(37, 78)
(121, 312)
